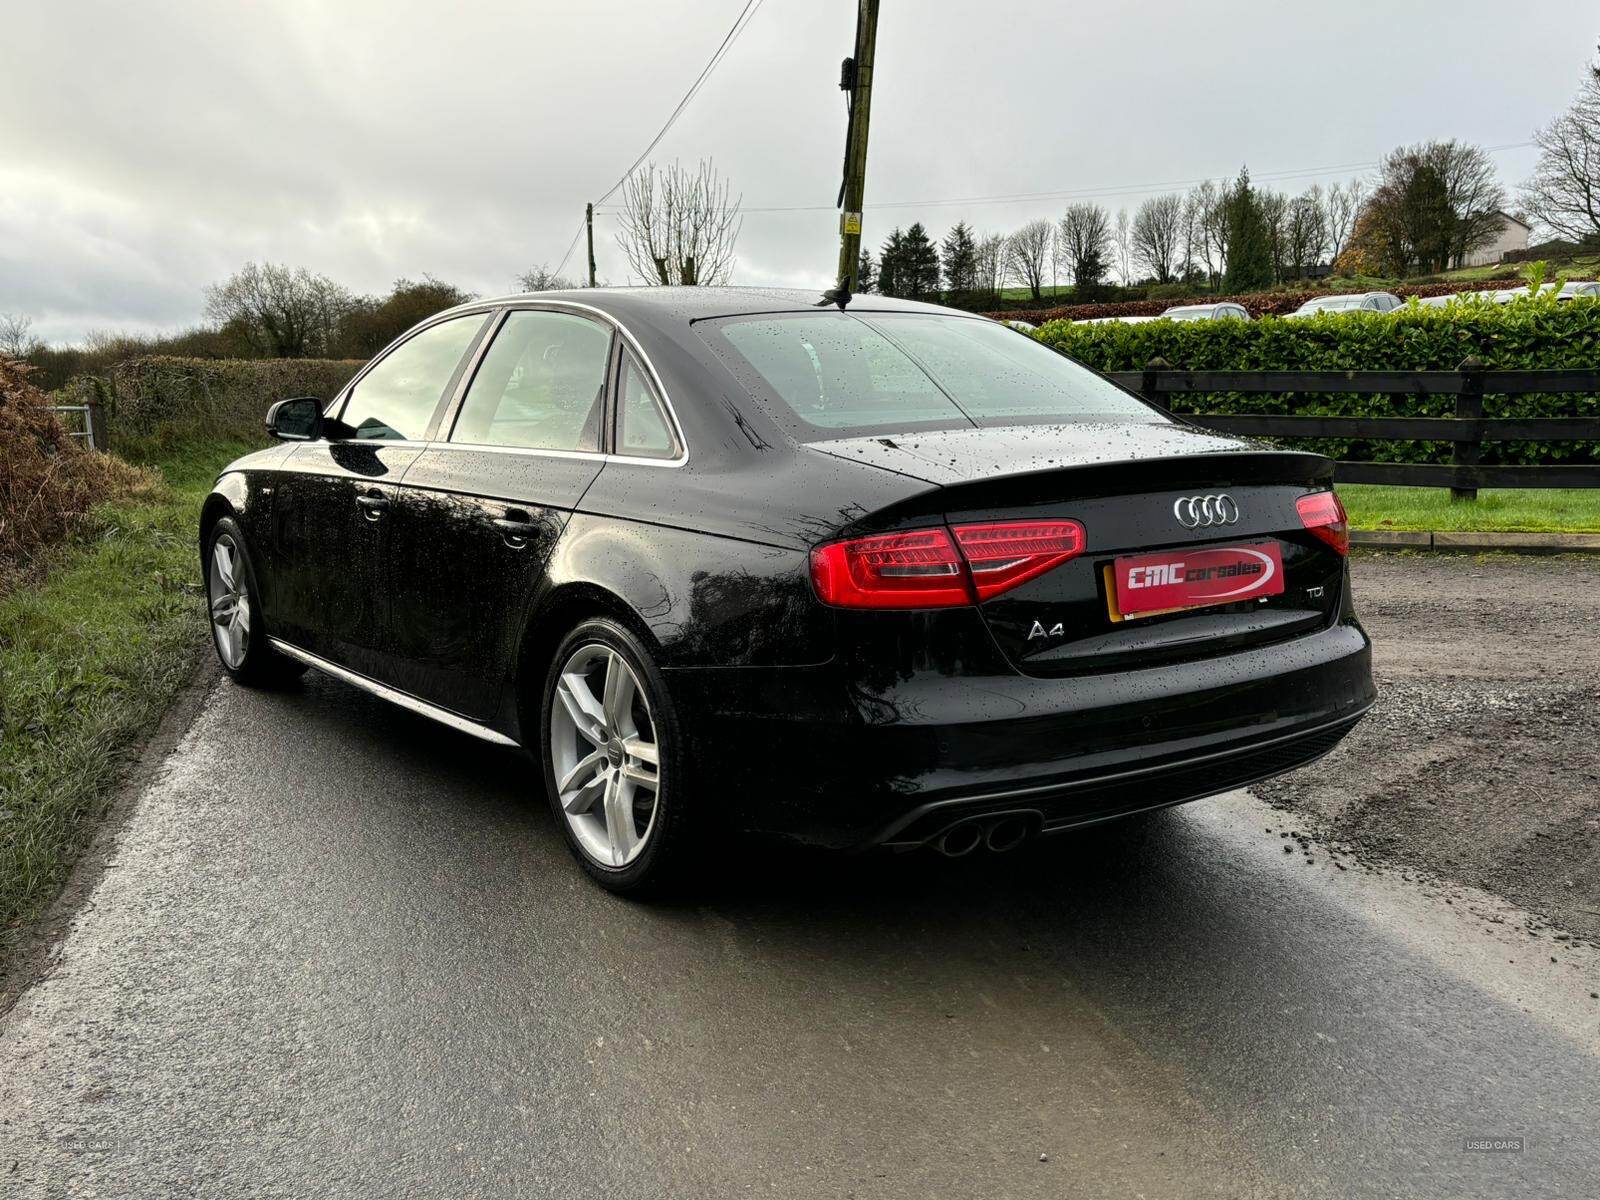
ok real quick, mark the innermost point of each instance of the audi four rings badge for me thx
(1198, 512)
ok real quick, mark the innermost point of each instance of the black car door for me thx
(482, 507)
(332, 507)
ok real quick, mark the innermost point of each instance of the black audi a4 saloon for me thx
(731, 560)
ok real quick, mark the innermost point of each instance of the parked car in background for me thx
(1353, 302)
(1507, 295)
(1225, 310)
(1573, 289)
(1021, 326)
(720, 556)
(1115, 320)
(1456, 298)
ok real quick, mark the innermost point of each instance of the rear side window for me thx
(886, 371)
(541, 385)
(642, 428)
(396, 399)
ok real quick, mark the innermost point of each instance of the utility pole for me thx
(855, 78)
(588, 220)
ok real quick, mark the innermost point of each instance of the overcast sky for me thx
(149, 149)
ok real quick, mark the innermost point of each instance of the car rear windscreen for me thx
(879, 372)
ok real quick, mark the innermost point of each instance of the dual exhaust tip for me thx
(996, 834)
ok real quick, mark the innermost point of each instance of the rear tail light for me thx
(928, 568)
(1323, 515)
(1003, 555)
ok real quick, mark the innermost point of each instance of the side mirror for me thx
(297, 420)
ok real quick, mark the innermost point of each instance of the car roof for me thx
(671, 305)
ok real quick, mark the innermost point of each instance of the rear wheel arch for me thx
(549, 623)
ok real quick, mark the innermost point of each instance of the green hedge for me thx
(161, 400)
(1527, 334)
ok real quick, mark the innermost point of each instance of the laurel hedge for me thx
(1528, 334)
(159, 399)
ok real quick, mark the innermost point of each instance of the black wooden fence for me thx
(1467, 430)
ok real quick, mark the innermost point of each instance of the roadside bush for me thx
(1259, 304)
(49, 483)
(1534, 333)
(160, 400)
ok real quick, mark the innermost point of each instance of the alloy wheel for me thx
(230, 601)
(604, 755)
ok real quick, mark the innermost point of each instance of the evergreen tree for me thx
(891, 264)
(1249, 239)
(866, 272)
(920, 266)
(960, 260)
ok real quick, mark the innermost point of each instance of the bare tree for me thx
(1028, 255)
(543, 279)
(679, 226)
(1158, 235)
(1305, 232)
(1476, 196)
(1563, 194)
(1083, 244)
(991, 263)
(283, 312)
(1191, 256)
(1122, 240)
(1340, 207)
(1217, 227)
(1435, 203)
(1203, 230)
(1275, 212)
(16, 338)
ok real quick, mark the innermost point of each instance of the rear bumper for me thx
(821, 756)
(1053, 808)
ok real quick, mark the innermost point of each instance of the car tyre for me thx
(612, 761)
(234, 608)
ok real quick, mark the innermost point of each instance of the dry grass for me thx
(49, 483)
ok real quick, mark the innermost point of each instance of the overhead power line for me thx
(746, 14)
(1091, 193)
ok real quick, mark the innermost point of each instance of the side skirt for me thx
(393, 695)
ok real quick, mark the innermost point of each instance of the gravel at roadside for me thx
(1480, 764)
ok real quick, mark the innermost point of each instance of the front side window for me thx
(882, 371)
(541, 385)
(396, 400)
(642, 428)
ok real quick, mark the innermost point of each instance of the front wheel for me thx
(233, 601)
(612, 764)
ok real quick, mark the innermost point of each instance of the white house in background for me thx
(1513, 235)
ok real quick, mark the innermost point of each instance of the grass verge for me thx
(1512, 510)
(90, 657)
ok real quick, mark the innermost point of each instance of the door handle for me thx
(516, 528)
(374, 506)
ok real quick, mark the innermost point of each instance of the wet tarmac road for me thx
(340, 952)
